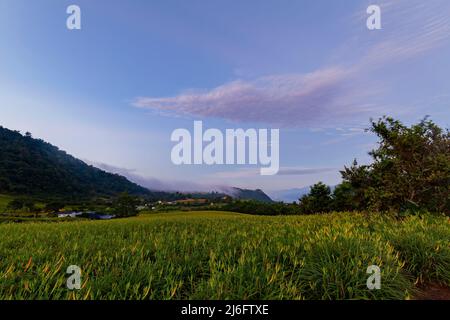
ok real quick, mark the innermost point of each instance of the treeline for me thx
(261, 208)
(122, 205)
(34, 168)
(410, 173)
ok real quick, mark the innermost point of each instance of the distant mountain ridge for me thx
(243, 194)
(291, 195)
(31, 166)
(34, 167)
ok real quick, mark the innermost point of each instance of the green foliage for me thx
(245, 194)
(410, 173)
(411, 169)
(33, 167)
(23, 205)
(4, 201)
(30, 206)
(16, 205)
(343, 198)
(217, 255)
(317, 201)
(261, 208)
(54, 206)
(424, 244)
(125, 205)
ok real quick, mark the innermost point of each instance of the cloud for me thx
(284, 171)
(155, 184)
(302, 172)
(410, 28)
(283, 100)
(110, 168)
(329, 95)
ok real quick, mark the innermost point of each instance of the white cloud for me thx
(329, 95)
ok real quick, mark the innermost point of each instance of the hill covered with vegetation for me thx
(246, 194)
(31, 166)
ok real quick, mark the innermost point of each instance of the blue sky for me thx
(112, 92)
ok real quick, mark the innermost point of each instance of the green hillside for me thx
(34, 167)
(31, 166)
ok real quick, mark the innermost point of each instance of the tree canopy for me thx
(410, 172)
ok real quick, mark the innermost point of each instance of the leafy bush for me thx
(318, 200)
(411, 169)
(410, 173)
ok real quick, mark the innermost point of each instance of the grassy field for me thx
(217, 255)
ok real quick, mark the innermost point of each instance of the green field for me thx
(217, 255)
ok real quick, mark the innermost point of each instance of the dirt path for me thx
(433, 291)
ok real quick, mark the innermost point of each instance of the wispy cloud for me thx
(410, 28)
(331, 94)
(282, 100)
(155, 184)
(213, 181)
(284, 171)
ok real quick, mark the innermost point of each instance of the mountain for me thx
(236, 193)
(246, 194)
(289, 195)
(31, 166)
(181, 189)
(34, 167)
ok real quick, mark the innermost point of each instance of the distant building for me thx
(91, 215)
(69, 214)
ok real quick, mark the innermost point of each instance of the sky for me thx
(112, 93)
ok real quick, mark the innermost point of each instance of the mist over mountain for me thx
(289, 195)
(34, 167)
(30, 166)
(185, 187)
(244, 194)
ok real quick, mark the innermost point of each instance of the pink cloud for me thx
(280, 100)
(330, 95)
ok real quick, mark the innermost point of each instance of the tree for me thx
(411, 168)
(358, 178)
(54, 206)
(15, 205)
(38, 169)
(343, 198)
(26, 205)
(318, 200)
(30, 206)
(125, 205)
